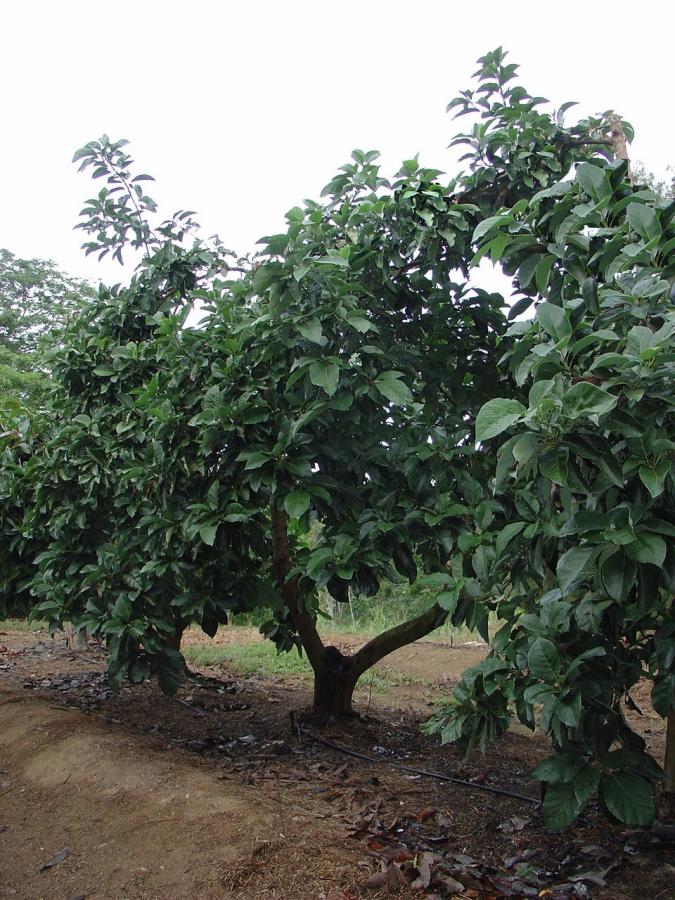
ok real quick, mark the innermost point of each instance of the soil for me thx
(226, 791)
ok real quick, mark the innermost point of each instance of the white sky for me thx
(242, 109)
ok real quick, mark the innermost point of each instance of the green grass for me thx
(22, 625)
(249, 659)
(263, 659)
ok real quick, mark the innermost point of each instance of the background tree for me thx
(663, 188)
(36, 301)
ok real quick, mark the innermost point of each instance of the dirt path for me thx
(137, 822)
(211, 795)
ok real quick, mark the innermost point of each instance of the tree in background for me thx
(36, 301)
(664, 188)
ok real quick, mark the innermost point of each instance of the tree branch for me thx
(397, 637)
(281, 561)
(618, 141)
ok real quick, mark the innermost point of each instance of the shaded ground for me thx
(214, 795)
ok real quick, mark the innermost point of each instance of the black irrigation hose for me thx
(438, 775)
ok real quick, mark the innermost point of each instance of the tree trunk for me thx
(75, 640)
(334, 685)
(175, 640)
(335, 675)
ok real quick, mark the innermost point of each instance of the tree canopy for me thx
(338, 419)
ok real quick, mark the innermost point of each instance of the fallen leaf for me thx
(451, 885)
(515, 823)
(424, 864)
(425, 814)
(56, 859)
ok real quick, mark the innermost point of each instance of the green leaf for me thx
(543, 660)
(104, 370)
(318, 560)
(139, 670)
(654, 479)
(561, 806)
(212, 495)
(618, 575)
(572, 566)
(628, 797)
(526, 447)
(325, 374)
(644, 220)
(647, 548)
(170, 667)
(389, 384)
(254, 459)
(543, 272)
(553, 464)
(527, 269)
(489, 223)
(360, 322)
(569, 711)
(586, 783)
(663, 695)
(586, 399)
(296, 503)
(560, 768)
(595, 181)
(312, 331)
(496, 416)
(507, 534)
(208, 533)
(554, 320)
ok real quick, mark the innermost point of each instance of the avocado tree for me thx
(580, 554)
(316, 430)
(366, 359)
(118, 468)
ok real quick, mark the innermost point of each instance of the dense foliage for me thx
(332, 423)
(579, 558)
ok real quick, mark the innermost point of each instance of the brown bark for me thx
(397, 637)
(619, 143)
(334, 685)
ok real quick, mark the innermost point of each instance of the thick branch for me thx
(281, 561)
(397, 637)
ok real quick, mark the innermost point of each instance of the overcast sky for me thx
(242, 109)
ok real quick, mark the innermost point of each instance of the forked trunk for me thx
(335, 675)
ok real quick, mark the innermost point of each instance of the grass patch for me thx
(22, 625)
(249, 659)
(262, 659)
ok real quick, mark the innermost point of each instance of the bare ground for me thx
(214, 795)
